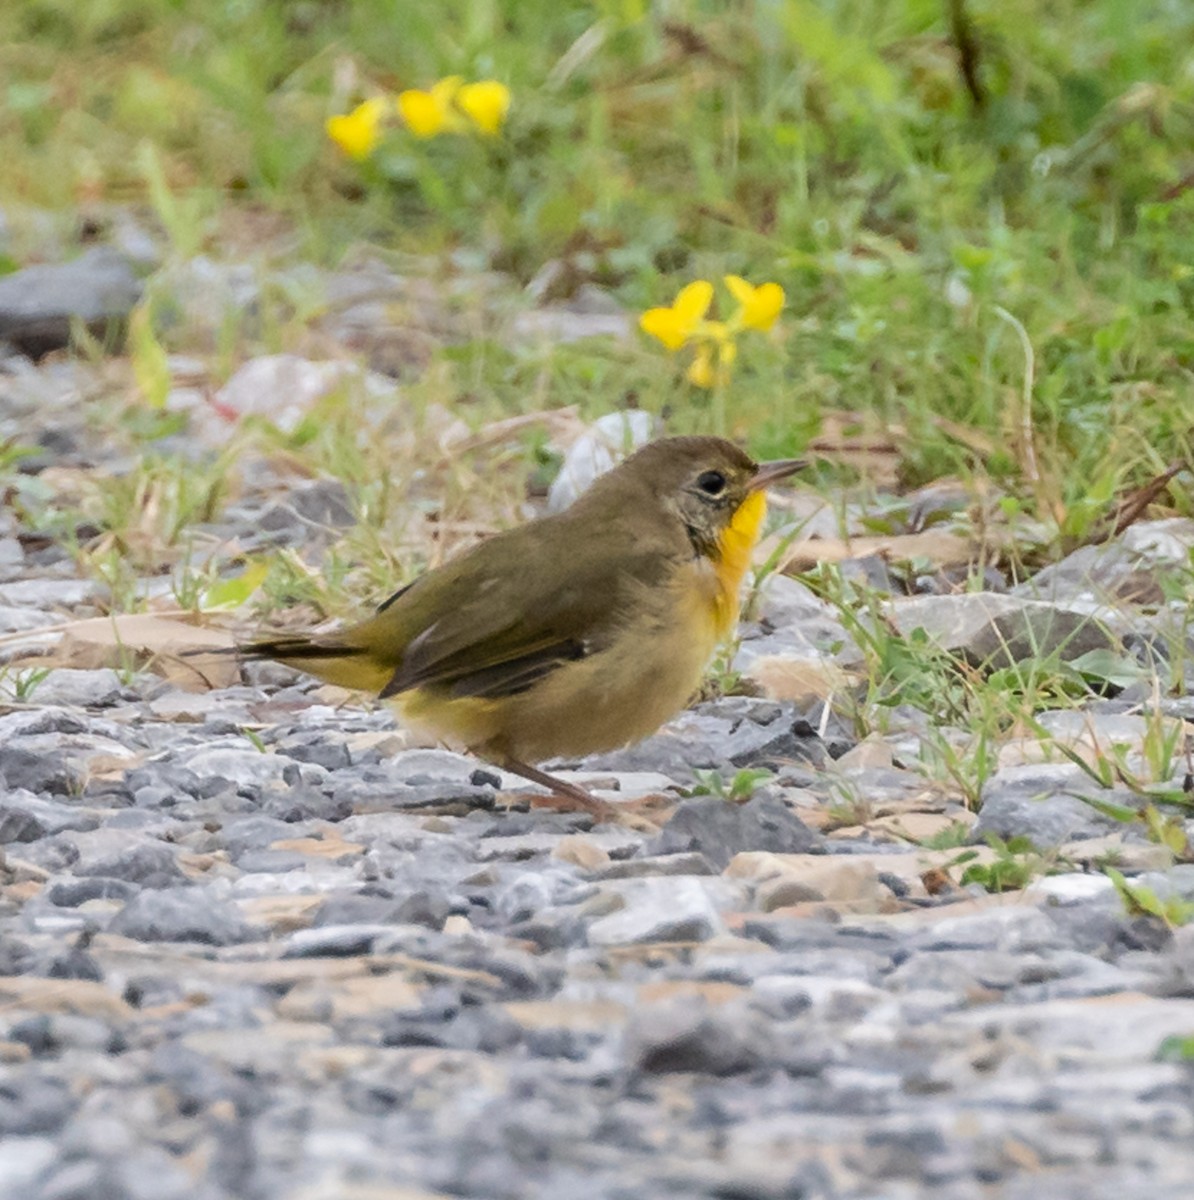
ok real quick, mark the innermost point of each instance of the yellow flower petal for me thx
(358, 132)
(700, 371)
(693, 301)
(421, 112)
(444, 91)
(485, 104)
(759, 306)
(740, 289)
(665, 324)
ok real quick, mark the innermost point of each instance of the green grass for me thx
(1002, 281)
(831, 146)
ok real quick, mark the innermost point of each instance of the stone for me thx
(51, 595)
(21, 620)
(682, 1036)
(22, 1161)
(181, 915)
(43, 994)
(70, 893)
(580, 851)
(1126, 568)
(248, 768)
(334, 940)
(146, 861)
(679, 909)
(993, 630)
(25, 817)
(80, 689)
(283, 388)
(607, 441)
(791, 879)
(654, 865)
(719, 829)
(1040, 801)
(38, 303)
(45, 774)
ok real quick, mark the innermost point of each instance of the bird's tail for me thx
(328, 659)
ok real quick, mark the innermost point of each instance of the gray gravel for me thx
(231, 973)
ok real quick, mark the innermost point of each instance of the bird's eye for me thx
(712, 483)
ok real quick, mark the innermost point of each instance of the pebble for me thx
(38, 303)
(1042, 802)
(678, 909)
(719, 829)
(190, 915)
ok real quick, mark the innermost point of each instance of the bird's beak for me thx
(772, 472)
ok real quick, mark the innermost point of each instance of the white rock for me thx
(679, 908)
(18, 620)
(71, 688)
(22, 1159)
(50, 594)
(1072, 888)
(610, 439)
(245, 766)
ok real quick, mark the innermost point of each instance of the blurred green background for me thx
(950, 192)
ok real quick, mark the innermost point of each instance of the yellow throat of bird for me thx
(734, 548)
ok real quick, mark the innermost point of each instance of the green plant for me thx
(735, 790)
(25, 682)
(1017, 862)
(1176, 1048)
(1141, 901)
(956, 834)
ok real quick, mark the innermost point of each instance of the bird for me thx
(575, 633)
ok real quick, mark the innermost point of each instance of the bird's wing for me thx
(484, 629)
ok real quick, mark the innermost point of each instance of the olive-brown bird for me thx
(572, 634)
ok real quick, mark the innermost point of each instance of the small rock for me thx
(145, 860)
(22, 1160)
(579, 850)
(38, 303)
(608, 440)
(682, 1036)
(719, 829)
(282, 388)
(29, 771)
(79, 689)
(654, 865)
(994, 630)
(1040, 801)
(21, 620)
(25, 817)
(247, 767)
(659, 910)
(181, 915)
(1128, 568)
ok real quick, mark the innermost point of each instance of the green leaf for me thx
(151, 368)
(1176, 1048)
(233, 592)
(1105, 666)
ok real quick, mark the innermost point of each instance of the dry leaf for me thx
(939, 547)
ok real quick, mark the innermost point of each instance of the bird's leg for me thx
(560, 787)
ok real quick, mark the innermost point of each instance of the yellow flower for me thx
(485, 103)
(701, 371)
(427, 113)
(358, 132)
(759, 306)
(674, 326)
